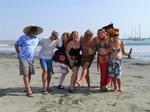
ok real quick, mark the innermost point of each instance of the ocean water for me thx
(141, 49)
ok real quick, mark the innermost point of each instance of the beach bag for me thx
(59, 57)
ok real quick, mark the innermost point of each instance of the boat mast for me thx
(139, 31)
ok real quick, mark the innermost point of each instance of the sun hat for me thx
(28, 28)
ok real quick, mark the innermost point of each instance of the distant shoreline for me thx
(9, 42)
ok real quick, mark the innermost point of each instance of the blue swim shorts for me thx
(47, 63)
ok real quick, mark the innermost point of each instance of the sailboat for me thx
(138, 38)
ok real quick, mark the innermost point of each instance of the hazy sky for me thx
(68, 15)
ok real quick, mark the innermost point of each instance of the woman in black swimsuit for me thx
(73, 54)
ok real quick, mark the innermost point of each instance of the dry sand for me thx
(135, 98)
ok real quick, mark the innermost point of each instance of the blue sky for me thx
(69, 15)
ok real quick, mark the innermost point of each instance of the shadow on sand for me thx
(19, 91)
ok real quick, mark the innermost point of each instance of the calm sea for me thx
(141, 49)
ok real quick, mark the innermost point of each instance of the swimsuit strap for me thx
(116, 49)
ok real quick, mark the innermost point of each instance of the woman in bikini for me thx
(87, 56)
(73, 54)
(115, 62)
(102, 45)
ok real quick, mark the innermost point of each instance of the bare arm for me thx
(123, 51)
(17, 49)
(94, 45)
(68, 47)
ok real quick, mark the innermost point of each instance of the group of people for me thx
(70, 52)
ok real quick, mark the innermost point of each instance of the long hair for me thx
(88, 33)
(71, 35)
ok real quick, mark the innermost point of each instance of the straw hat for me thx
(28, 28)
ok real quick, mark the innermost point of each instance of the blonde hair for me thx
(88, 33)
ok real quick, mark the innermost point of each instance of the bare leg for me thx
(48, 80)
(84, 73)
(119, 85)
(88, 80)
(44, 79)
(29, 78)
(73, 77)
(114, 83)
(27, 85)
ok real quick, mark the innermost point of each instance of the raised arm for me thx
(123, 50)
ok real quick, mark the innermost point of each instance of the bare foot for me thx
(120, 90)
(89, 88)
(114, 90)
(29, 95)
(78, 83)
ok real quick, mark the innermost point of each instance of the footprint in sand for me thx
(112, 104)
(79, 101)
(61, 101)
(134, 108)
(125, 96)
(139, 77)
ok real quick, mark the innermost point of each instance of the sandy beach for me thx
(135, 98)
